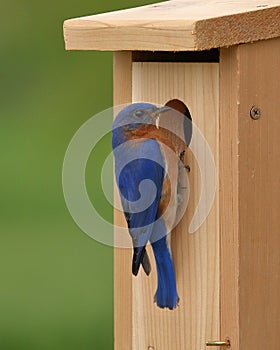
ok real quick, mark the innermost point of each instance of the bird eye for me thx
(139, 113)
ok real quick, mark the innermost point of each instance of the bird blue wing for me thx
(138, 193)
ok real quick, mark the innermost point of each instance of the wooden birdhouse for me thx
(222, 60)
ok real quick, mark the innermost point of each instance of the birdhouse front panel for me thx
(196, 255)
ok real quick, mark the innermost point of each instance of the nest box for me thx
(222, 59)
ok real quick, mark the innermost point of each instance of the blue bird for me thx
(145, 189)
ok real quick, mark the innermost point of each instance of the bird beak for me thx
(155, 114)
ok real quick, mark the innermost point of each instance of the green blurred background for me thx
(56, 284)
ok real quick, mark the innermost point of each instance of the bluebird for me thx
(142, 176)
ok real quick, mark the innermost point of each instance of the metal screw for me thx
(255, 113)
(219, 343)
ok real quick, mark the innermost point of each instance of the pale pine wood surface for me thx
(122, 256)
(250, 195)
(176, 25)
(259, 197)
(196, 256)
(229, 194)
(247, 153)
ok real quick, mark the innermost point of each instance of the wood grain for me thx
(229, 194)
(196, 256)
(229, 271)
(250, 195)
(176, 25)
(122, 256)
(259, 196)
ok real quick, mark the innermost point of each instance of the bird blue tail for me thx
(166, 295)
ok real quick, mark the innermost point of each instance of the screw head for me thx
(255, 113)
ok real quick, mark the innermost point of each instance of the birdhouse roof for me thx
(176, 25)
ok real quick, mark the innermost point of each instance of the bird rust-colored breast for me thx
(162, 135)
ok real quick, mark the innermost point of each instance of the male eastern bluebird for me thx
(142, 174)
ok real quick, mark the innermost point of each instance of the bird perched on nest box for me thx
(148, 187)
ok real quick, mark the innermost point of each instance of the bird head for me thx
(138, 114)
